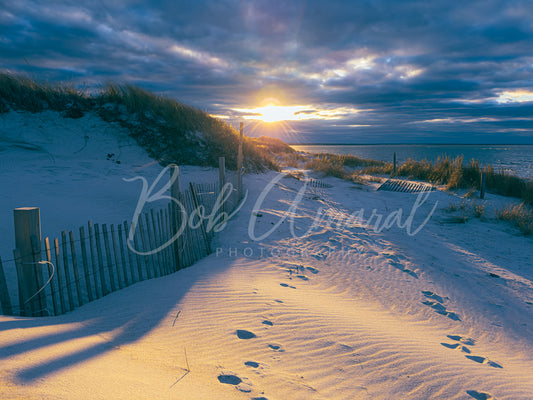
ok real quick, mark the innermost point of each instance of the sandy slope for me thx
(74, 170)
(342, 312)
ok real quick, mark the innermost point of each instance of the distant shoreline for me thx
(410, 144)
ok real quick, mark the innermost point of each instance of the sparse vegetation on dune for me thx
(339, 165)
(520, 215)
(454, 173)
(170, 131)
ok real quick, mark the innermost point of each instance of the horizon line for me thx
(409, 144)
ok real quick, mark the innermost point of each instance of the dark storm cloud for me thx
(417, 70)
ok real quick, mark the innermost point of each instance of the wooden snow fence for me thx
(316, 183)
(398, 185)
(86, 264)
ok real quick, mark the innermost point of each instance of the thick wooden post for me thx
(239, 163)
(29, 271)
(482, 186)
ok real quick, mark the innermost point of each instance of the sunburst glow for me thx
(277, 113)
(273, 113)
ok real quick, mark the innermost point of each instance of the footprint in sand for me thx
(285, 285)
(229, 378)
(259, 398)
(479, 395)
(457, 346)
(394, 257)
(436, 304)
(302, 277)
(431, 295)
(267, 322)
(399, 266)
(276, 347)
(279, 301)
(319, 256)
(244, 334)
(440, 309)
(463, 340)
(313, 270)
(252, 364)
(484, 360)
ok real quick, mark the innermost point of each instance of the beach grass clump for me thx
(22, 93)
(328, 166)
(340, 165)
(171, 132)
(520, 215)
(291, 159)
(478, 210)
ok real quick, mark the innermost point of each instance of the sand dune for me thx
(343, 312)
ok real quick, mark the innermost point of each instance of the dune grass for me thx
(170, 131)
(340, 166)
(520, 215)
(455, 173)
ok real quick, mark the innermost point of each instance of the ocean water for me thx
(515, 159)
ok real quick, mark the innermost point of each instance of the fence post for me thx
(482, 188)
(29, 273)
(239, 163)
(394, 165)
(221, 171)
(175, 216)
(175, 188)
(221, 179)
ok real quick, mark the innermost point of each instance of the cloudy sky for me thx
(376, 71)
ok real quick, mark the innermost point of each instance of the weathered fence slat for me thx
(174, 262)
(160, 262)
(117, 263)
(138, 257)
(52, 276)
(94, 261)
(197, 207)
(100, 256)
(147, 260)
(122, 255)
(131, 257)
(61, 288)
(150, 241)
(7, 308)
(108, 258)
(162, 239)
(85, 261)
(75, 268)
(25, 306)
(66, 269)
(186, 247)
(39, 301)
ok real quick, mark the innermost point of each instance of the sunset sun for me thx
(274, 113)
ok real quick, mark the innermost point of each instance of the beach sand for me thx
(305, 296)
